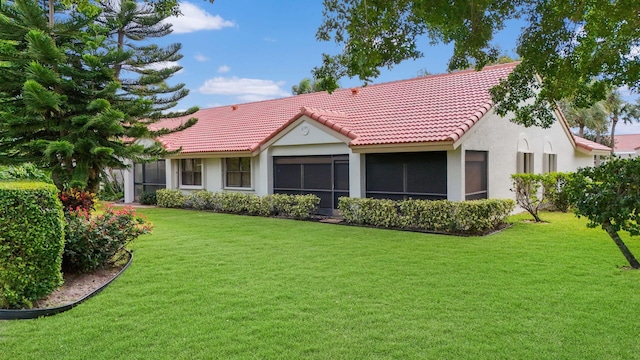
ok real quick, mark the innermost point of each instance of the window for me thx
(525, 163)
(191, 172)
(475, 175)
(400, 176)
(148, 177)
(327, 177)
(550, 163)
(238, 172)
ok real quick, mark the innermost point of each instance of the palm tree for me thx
(620, 110)
(594, 118)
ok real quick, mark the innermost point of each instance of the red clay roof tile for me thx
(627, 142)
(589, 145)
(428, 109)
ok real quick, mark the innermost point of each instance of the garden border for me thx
(23, 314)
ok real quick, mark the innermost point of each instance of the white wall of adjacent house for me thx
(507, 143)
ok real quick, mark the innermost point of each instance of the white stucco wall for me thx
(306, 138)
(503, 139)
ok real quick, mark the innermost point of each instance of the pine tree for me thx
(61, 105)
(145, 71)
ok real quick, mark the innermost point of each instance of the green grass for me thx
(223, 286)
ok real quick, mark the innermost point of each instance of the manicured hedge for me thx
(31, 242)
(24, 172)
(289, 206)
(170, 198)
(469, 217)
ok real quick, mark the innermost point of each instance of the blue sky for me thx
(238, 51)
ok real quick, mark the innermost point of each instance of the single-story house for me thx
(627, 146)
(433, 137)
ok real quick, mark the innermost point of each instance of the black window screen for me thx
(475, 175)
(317, 176)
(341, 176)
(287, 176)
(324, 176)
(148, 177)
(398, 176)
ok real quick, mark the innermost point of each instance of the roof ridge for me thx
(471, 120)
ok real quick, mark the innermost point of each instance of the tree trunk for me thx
(614, 121)
(118, 66)
(51, 12)
(621, 245)
(581, 130)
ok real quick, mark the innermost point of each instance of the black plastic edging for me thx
(20, 314)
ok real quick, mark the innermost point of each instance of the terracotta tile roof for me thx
(422, 110)
(627, 143)
(590, 145)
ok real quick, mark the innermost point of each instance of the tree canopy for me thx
(609, 196)
(308, 86)
(579, 49)
(62, 106)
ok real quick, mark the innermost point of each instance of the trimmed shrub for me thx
(24, 172)
(553, 185)
(200, 200)
(470, 217)
(94, 241)
(376, 212)
(170, 198)
(528, 194)
(427, 215)
(148, 198)
(31, 242)
(289, 206)
(535, 192)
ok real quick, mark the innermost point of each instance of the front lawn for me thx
(224, 286)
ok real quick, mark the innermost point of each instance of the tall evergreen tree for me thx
(61, 105)
(145, 72)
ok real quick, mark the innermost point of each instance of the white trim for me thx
(339, 136)
(393, 148)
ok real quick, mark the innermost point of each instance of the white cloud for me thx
(201, 57)
(194, 19)
(162, 65)
(252, 98)
(244, 89)
(223, 69)
(268, 39)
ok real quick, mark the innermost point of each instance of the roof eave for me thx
(404, 147)
(592, 151)
(211, 154)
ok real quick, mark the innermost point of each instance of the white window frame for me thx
(180, 171)
(224, 174)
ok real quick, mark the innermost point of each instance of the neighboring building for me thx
(627, 146)
(434, 137)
